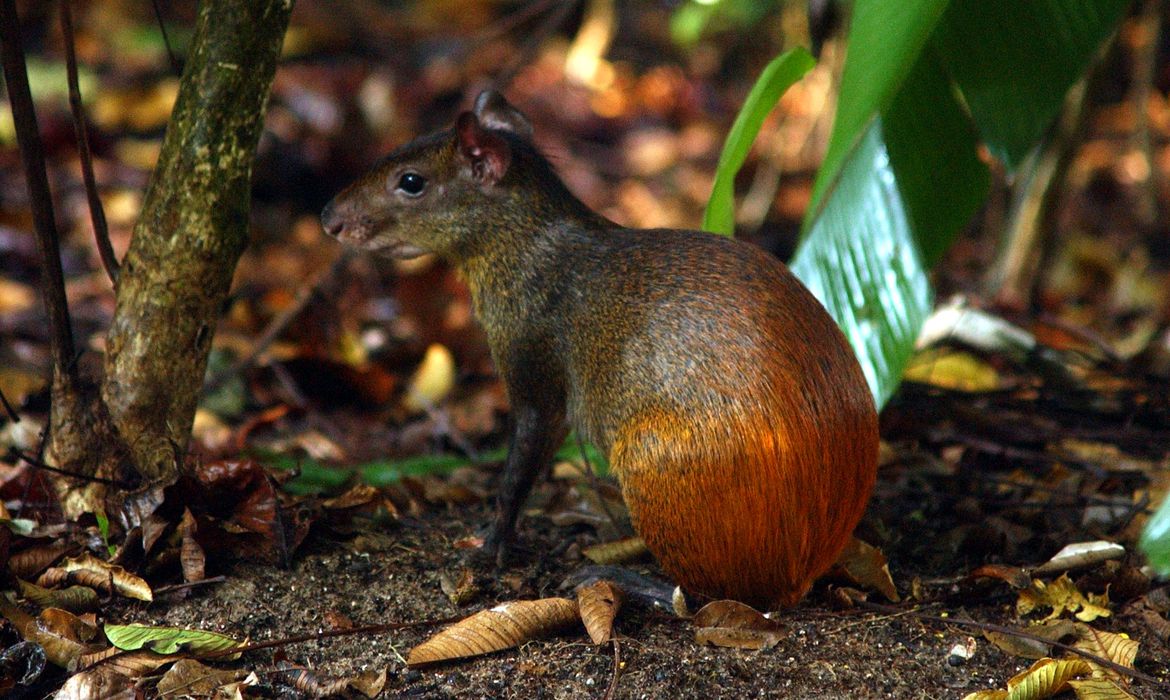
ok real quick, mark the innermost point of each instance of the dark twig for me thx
(282, 320)
(510, 22)
(97, 214)
(617, 670)
(524, 56)
(33, 158)
(1001, 629)
(189, 584)
(40, 464)
(176, 67)
(12, 415)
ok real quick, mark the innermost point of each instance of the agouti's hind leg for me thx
(536, 435)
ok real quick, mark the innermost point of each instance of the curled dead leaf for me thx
(729, 623)
(74, 598)
(90, 571)
(865, 565)
(502, 627)
(617, 552)
(1013, 576)
(599, 603)
(1080, 555)
(191, 554)
(32, 561)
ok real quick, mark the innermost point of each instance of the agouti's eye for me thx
(412, 184)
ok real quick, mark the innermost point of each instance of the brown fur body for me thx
(734, 414)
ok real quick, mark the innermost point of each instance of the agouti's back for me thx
(734, 414)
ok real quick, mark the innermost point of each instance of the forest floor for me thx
(991, 464)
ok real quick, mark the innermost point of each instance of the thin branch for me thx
(32, 156)
(617, 670)
(40, 464)
(97, 214)
(176, 67)
(282, 320)
(542, 31)
(12, 414)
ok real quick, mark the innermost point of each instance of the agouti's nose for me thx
(330, 221)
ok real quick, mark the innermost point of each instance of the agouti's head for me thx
(434, 194)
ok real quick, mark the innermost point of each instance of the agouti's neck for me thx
(519, 246)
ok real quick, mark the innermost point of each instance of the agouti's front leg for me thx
(536, 434)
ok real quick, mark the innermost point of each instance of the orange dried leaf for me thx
(502, 627)
(599, 603)
(729, 623)
(1013, 576)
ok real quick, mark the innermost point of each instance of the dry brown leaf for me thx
(132, 664)
(357, 496)
(616, 552)
(987, 695)
(729, 623)
(1013, 576)
(30, 562)
(462, 591)
(188, 677)
(74, 598)
(98, 683)
(865, 565)
(599, 603)
(502, 627)
(1052, 631)
(62, 634)
(191, 555)
(95, 573)
(1062, 595)
(1098, 689)
(1117, 648)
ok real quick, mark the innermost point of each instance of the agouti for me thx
(733, 411)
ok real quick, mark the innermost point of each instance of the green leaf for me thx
(1155, 541)
(390, 472)
(1014, 61)
(933, 151)
(885, 40)
(859, 258)
(776, 78)
(167, 640)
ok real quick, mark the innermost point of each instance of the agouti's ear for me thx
(494, 112)
(487, 154)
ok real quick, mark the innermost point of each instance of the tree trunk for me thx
(192, 230)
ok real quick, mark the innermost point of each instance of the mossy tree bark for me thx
(191, 233)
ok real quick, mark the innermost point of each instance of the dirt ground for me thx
(934, 524)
